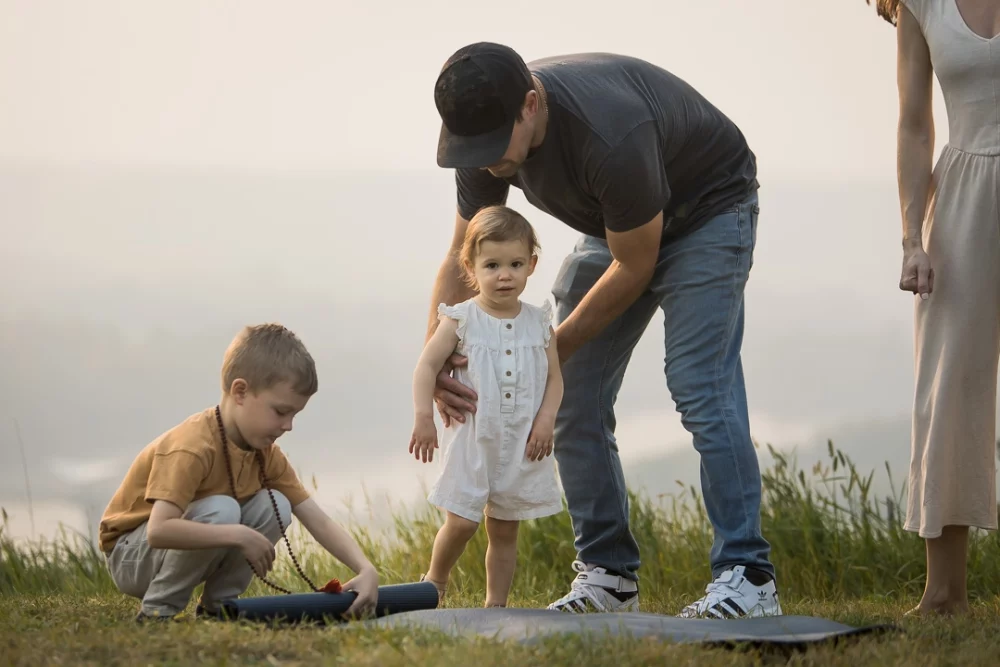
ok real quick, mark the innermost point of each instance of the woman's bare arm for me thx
(915, 131)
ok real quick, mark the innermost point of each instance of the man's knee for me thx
(215, 510)
(699, 399)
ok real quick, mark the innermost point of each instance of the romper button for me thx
(508, 395)
(508, 373)
(508, 326)
(508, 351)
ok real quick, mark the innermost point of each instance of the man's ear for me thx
(531, 103)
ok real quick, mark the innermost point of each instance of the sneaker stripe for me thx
(726, 609)
(735, 608)
(593, 599)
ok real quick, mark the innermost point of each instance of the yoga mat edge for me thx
(531, 625)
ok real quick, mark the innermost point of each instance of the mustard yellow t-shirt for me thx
(186, 464)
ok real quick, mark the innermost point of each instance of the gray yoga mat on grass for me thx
(529, 625)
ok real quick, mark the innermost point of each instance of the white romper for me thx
(484, 469)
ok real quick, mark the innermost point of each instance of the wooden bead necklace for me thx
(331, 587)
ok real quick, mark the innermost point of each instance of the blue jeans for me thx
(699, 283)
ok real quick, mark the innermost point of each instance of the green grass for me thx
(840, 553)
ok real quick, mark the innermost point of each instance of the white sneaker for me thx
(595, 590)
(733, 596)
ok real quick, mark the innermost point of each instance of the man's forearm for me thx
(448, 288)
(611, 296)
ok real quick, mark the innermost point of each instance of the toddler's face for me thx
(265, 416)
(502, 269)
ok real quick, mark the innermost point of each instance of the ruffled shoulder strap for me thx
(459, 312)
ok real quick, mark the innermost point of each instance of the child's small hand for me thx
(540, 438)
(257, 549)
(366, 586)
(423, 442)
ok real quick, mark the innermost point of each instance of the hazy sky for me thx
(172, 171)
(337, 84)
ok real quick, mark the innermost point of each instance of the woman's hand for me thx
(918, 274)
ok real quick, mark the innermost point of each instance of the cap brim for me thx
(476, 152)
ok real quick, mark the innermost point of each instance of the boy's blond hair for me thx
(267, 354)
(494, 223)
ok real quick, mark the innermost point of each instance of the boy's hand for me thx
(366, 586)
(540, 438)
(257, 549)
(423, 442)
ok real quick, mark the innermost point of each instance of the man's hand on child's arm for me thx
(332, 537)
(168, 530)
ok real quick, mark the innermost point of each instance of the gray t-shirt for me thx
(625, 140)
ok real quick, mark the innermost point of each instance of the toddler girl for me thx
(498, 461)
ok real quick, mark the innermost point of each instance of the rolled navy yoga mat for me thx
(321, 607)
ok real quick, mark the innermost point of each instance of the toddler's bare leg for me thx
(449, 544)
(501, 558)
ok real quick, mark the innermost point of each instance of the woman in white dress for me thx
(951, 263)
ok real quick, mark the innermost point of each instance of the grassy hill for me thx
(840, 553)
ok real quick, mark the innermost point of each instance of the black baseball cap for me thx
(478, 94)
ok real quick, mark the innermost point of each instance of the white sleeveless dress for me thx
(952, 479)
(483, 467)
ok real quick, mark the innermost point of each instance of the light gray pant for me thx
(164, 579)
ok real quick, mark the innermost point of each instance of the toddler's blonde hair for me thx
(267, 354)
(494, 223)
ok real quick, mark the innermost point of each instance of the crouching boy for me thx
(195, 504)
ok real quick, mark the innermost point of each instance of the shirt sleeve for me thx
(630, 183)
(281, 477)
(175, 476)
(476, 189)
